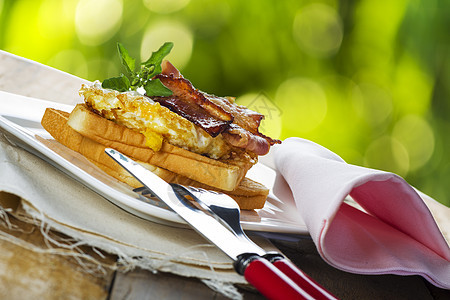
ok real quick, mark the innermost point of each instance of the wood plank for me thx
(143, 284)
(30, 268)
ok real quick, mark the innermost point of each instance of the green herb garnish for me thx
(143, 77)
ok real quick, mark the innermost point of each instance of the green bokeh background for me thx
(368, 79)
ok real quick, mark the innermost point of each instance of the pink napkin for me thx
(395, 233)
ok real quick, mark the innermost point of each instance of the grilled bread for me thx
(89, 134)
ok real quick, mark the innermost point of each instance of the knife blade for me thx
(259, 272)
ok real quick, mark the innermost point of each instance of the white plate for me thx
(20, 119)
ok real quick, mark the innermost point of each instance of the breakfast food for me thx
(178, 132)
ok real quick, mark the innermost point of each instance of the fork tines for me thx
(144, 191)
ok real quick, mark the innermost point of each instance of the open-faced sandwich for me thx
(155, 116)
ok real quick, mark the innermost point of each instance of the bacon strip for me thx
(183, 89)
(216, 115)
(244, 117)
(195, 114)
(169, 69)
(241, 138)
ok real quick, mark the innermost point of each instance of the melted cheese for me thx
(156, 122)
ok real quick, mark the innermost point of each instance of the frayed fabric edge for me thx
(226, 289)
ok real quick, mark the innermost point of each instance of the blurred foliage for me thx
(368, 79)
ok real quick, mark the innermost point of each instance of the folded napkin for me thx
(390, 231)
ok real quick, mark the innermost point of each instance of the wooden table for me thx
(27, 274)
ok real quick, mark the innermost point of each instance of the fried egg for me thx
(157, 123)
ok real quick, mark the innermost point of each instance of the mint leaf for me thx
(120, 84)
(126, 59)
(156, 88)
(154, 62)
(144, 76)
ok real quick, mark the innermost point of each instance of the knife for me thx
(226, 211)
(259, 272)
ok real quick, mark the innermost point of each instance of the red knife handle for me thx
(267, 279)
(301, 279)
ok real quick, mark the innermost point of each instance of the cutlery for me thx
(227, 211)
(258, 271)
(225, 208)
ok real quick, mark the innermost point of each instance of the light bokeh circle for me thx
(417, 136)
(318, 30)
(303, 102)
(168, 31)
(165, 6)
(96, 21)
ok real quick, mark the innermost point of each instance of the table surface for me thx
(27, 274)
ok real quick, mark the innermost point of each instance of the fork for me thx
(222, 206)
(224, 209)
